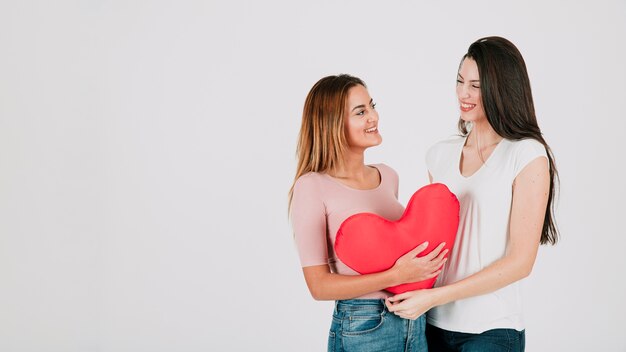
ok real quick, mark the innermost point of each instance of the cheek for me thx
(350, 131)
(355, 126)
(480, 104)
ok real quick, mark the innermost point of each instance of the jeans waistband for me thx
(359, 304)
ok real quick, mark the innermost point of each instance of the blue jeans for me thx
(496, 340)
(365, 325)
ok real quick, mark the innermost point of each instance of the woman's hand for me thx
(412, 304)
(411, 268)
(325, 285)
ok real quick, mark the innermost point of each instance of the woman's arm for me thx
(325, 285)
(530, 198)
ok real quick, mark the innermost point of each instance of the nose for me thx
(373, 116)
(462, 91)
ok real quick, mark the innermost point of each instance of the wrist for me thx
(441, 295)
(393, 277)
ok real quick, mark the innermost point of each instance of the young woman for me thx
(503, 173)
(332, 182)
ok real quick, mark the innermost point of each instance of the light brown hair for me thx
(322, 139)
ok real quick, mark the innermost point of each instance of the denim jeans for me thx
(365, 325)
(496, 340)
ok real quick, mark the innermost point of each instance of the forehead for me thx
(358, 95)
(469, 69)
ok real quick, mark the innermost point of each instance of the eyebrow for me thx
(361, 106)
(474, 80)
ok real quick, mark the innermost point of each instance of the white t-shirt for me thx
(485, 199)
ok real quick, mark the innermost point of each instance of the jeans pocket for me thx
(363, 322)
(507, 339)
(331, 341)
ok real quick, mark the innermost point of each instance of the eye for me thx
(476, 86)
(361, 113)
(374, 106)
(458, 81)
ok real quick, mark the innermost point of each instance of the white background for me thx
(147, 147)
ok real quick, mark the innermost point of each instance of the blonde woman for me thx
(332, 182)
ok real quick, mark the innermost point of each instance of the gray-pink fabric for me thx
(321, 203)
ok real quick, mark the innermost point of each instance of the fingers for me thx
(435, 252)
(417, 250)
(392, 307)
(400, 297)
(400, 310)
(389, 304)
(442, 255)
(399, 307)
(433, 274)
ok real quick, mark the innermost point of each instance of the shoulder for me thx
(387, 172)
(526, 143)
(443, 150)
(451, 142)
(384, 168)
(311, 181)
(521, 152)
(527, 146)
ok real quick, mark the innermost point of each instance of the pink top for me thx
(321, 203)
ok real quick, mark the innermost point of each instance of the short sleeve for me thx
(527, 151)
(391, 175)
(308, 219)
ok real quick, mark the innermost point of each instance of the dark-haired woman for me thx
(503, 173)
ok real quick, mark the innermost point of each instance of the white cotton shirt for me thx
(485, 208)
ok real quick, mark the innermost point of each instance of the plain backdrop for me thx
(147, 147)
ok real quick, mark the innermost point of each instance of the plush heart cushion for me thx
(368, 243)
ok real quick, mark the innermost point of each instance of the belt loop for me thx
(336, 306)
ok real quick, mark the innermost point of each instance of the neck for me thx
(353, 165)
(482, 135)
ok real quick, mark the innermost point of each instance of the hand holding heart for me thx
(368, 243)
(411, 268)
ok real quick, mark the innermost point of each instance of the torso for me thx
(471, 160)
(322, 202)
(485, 194)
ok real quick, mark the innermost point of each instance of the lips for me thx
(372, 130)
(465, 107)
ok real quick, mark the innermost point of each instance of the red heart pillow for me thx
(368, 243)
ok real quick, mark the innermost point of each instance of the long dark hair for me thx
(508, 103)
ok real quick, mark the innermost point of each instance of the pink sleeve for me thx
(396, 181)
(308, 218)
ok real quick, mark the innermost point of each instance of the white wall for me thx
(146, 150)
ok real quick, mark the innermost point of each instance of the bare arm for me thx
(325, 285)
(530, 198)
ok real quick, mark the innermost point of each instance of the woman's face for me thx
(361, 119)
(468, 92)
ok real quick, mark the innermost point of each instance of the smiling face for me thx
(361, 119)
(468, 92)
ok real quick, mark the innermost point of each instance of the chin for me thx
(473, 116)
